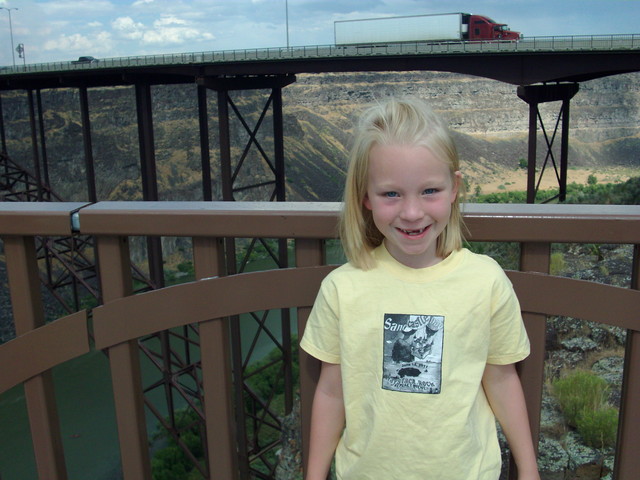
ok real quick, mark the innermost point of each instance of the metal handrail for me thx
(526, 44)
(534, 226)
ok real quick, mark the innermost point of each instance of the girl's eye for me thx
(391, 194)
(430, 191)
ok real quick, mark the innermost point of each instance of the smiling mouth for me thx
(412, 233)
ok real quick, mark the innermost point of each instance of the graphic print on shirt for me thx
(412, 359)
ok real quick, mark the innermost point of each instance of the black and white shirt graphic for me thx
(413, 353)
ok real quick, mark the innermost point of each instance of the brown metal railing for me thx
(212, 299)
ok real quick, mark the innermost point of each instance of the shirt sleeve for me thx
(321, 335)
(509, 341)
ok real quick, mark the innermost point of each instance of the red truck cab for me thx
(483, 28)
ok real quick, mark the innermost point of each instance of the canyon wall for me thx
(489, 121)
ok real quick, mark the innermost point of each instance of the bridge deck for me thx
(523, 62)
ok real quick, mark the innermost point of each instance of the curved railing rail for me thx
(527, 44)
(123, 318)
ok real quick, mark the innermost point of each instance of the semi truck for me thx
(442, 27)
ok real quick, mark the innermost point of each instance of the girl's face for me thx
(410, 192)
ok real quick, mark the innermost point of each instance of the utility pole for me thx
(11, 32)
(286, 6)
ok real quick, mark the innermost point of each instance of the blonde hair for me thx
(396, 121)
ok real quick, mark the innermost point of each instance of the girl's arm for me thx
(327, 421)
(504, 392)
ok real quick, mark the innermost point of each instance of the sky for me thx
(62, 30)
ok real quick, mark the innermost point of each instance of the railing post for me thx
(115, 279)
(308, 253)
(534, 257)
(627, 463)
(3, 137)
(215, 354)
(28, 314)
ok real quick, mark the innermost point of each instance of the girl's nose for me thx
(411, 210)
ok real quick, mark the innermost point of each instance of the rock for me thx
(609, 462)
(550, 415)
(552, 338)
(552, 459)
(587, 463)
(290, 454)
(579, 344)
(610, 368)
(620, 336)
(562, 359)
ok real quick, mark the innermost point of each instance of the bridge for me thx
(544, 69)
(523, 62)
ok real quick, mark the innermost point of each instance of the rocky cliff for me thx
(489, 120)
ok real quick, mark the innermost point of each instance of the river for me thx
(85, 405)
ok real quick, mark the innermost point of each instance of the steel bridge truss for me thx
(174, 393)
(534, 95)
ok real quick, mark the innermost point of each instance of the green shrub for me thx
(578, 391)
(583, 397)
(627, 193)
(266, 376)
(171, 462)
(599, 428)
(557, 265)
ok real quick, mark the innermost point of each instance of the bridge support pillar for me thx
(34, 144)
(3, 137)
(534, 95)
(88, 146)
(263, 179)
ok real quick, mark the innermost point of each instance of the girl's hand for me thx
(529, 476)
(504, 393)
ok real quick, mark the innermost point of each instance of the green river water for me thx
(85, 405)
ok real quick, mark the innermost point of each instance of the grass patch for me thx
(582, 396)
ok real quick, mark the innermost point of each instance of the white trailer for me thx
(414, 28)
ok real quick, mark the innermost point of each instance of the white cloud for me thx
(167, 36)
(68, 42)
(174, 35)
(77, 43)
(127, 28)
(166, 30)
(169, 21)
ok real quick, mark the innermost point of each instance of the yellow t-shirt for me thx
(413, 345)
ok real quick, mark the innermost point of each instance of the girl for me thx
(418, 336)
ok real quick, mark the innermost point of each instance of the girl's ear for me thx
(366, 202)
(457, 180)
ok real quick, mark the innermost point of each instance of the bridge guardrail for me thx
(536, 227)
(532, 44)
